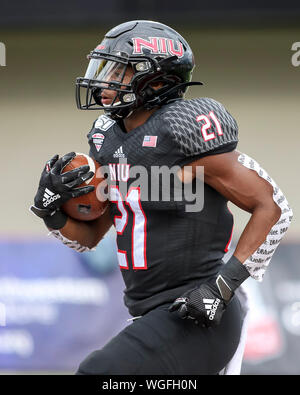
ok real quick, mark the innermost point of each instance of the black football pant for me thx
(162, 343)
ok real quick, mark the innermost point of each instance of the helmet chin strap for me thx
(120, 113)
(161, 99)
(109, 105)
(149, 104)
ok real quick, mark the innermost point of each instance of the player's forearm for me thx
(262, 220)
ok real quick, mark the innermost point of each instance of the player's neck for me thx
(137, 118)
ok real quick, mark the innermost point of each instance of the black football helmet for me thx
(144, 63)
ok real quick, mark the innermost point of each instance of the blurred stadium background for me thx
(57, 306)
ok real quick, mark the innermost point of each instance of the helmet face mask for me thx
(120, 74)
(131, 69)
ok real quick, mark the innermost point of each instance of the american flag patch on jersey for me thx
(150, 141)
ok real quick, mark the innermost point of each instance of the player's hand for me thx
(204, 304)
(207, 303)
(55, 187)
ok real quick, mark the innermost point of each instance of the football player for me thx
(187, 317)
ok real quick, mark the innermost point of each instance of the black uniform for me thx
(163, 249)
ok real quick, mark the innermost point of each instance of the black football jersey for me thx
(164, 249)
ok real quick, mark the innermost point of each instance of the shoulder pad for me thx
(200, 125)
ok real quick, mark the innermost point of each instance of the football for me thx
(92, 205)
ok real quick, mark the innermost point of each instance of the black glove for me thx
(207, 303)
(56, 188)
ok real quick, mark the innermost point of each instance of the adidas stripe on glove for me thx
(55, 188)
(207, 303)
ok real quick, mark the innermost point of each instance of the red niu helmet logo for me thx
(158, 45)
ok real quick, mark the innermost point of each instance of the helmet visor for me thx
(108, 71)
(107, 83)
(110, 80)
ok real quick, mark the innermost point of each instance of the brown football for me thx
(92, 205)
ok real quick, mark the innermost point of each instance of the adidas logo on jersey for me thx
(49, 197)
(211, 306)
(119, 153)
